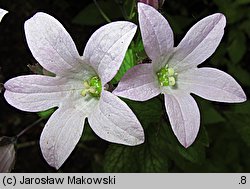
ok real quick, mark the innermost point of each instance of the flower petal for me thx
(2, 13)
(38, 93)
(106, 48)
(212, 84)
(184, 117)
(199, 43)
(139, 84)
(61, 134)
(157, 35)
(51, 45)
(113, 120)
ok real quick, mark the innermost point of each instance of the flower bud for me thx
(154, 3)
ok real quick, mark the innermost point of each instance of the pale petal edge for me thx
(184, 117)
(106, 48)
(60, 135)
(139, 83)
(113, 121)
(212, 84)
(157, 35)
(199, 43)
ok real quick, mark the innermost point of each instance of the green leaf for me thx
(240, 122)
(237, 48)
(153, 157)
(127, 63)
(195, 153)
(209, 115)
(88, 134)
(90, 15)
(242, 2)
(239, 73)
(244, 26)
(148, 157)
(212, 116)
(202, 137)
(129, 7)
(139, 51)
(148, 112)
(120, 159)
(47, 113)
(242, 108)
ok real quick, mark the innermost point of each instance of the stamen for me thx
(92, 90)
(167, 76)
(92, 86)
(84, 92)
(171, 81)
(170, 71)
(86, 84)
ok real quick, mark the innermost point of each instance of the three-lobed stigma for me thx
(93, 87)
(166, 76)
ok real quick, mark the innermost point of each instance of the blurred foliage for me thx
(91, 15)
(7, 154)
(223, 142)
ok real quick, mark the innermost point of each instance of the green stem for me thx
(101, 11)
(28, 127)
(26, 144)
(124, 13)
(131, 10)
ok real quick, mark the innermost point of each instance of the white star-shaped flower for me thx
(78, 87)
(174, 73)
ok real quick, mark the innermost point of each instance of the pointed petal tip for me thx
(53, 164)
(48, 159)
(239, 98)
(221, 17)
(57, 167)
(243, 97)
(2, 13)
(133, 28)
(35, 16)
(141, 6)
(6, 85)
(141, 140)
(186, 144)
(137, 142)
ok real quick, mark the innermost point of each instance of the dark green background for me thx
(223, 143)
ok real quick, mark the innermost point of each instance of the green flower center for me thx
(167, 76)
(93, 87)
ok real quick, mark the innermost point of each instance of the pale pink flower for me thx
(78, 88)
(2, 13)
(174, 73)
